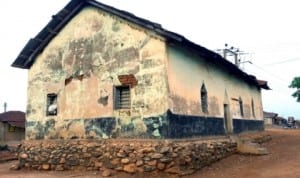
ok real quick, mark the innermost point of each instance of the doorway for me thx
(227, 119)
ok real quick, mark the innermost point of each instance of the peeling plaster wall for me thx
(82, 64)
(186, 73)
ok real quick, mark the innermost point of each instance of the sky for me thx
(266, 31)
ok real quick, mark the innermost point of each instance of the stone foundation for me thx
(131, 156)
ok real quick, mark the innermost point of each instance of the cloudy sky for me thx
(267, 31)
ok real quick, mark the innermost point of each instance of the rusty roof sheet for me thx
(263, 84)
(14, 118)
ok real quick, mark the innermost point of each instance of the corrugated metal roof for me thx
(14, 118)
(269, 114)
(29, 53)
(263, 84)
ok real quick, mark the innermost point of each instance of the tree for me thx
(296, 84)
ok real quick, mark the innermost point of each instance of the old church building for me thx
(99, 72)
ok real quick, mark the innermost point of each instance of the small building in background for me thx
(12, 126)
(280, 121)
(269, 118)
(291, 122)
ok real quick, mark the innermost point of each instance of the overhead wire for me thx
(282, 62)
(277, 81)
(271, 74)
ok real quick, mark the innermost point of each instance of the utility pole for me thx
(235, 52)
(5, 106)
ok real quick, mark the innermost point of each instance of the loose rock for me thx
(139, 163)
(45, 166)
(130, 168)
(161, 166)
(157, 156)
(106, 173)
(23, 156)
(125, 160)
(15, 167)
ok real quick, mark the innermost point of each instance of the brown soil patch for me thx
(283, 160)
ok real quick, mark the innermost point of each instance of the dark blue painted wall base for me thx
(181, 126)
(168, 125)
(241, 125)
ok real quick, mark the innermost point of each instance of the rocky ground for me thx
(283, 161)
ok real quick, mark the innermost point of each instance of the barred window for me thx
(51, 104)
(122, 97)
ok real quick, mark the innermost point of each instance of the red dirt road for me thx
(283, 161)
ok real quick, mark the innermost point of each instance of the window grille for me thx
(122, 97)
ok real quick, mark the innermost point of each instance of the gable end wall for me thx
(82, 64)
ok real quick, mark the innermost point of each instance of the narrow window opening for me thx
(241, 107)
(253, 110)
(204, 105)
(122, 97)
(51, 104)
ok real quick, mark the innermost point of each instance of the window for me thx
(241, 106)
(11, 128)
(253, 110)
(204, 104)
(51, 105)
(122, 97)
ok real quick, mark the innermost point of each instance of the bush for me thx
(3, 147)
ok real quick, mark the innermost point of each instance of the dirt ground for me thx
(283, 161)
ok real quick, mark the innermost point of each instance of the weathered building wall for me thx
(2, 132)
(17, 135)
(5, 135)
(82, 65)
(268, 121)
(87, 60)
(187, 72)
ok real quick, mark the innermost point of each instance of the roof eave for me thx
(49, 31)
(36, 45)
